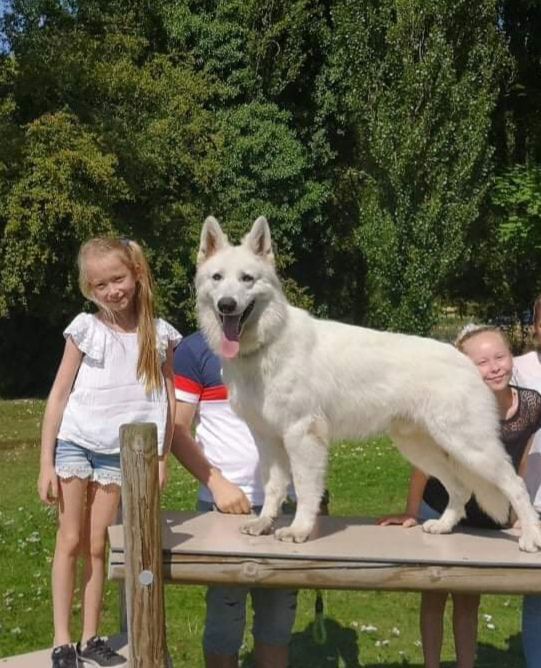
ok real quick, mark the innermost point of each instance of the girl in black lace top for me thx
(516, 432)
(520, 412)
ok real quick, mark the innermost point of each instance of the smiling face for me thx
(491, 355)
(112, 284)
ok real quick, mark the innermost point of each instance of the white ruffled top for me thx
(107, 393)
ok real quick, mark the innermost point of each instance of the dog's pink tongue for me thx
(230, 336)
(229, 349)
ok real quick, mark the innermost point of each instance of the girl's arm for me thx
(228, 497)
(408, 519)
(522, 469)
(167, 370)
(56, 403)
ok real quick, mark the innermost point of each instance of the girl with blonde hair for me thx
(116, 368)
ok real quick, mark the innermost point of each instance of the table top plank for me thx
(339, 539)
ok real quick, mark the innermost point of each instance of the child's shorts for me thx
(74, 461)
(426, 512)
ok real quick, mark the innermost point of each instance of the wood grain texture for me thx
(142, 537)
(343, 553)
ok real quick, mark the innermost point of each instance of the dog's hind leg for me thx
(424, 453)
(306, 443)
(490, 462)
(276, 476)
(483, 454)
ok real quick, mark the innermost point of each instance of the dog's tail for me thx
(491, 499)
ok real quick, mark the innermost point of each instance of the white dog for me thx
(301, 383)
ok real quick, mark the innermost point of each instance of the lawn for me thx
(363, 628)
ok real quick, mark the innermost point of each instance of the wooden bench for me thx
(344, 553)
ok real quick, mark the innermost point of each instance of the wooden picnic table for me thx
(343, 553)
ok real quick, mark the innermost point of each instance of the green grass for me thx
(367, 478)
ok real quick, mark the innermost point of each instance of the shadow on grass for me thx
(489, 656)
(339, 649)
(343, 649)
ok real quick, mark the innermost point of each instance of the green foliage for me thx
(517, 125)
(65, 193)
(421, 86)
(265, 60)
(517, 196)
(509, 255)
(363, 130)
(131, 151)
(265, 171)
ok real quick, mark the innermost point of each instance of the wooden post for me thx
(143, 545)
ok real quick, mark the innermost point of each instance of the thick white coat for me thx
(301, 383)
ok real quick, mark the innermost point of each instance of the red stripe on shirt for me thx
(188, 385)
(218, 393)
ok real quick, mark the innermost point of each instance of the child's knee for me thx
(68, 542)
(274, 615)
(225, 620)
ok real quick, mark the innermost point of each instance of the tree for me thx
(420, 83)
(66, 191)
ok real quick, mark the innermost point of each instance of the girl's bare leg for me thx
(432, 610)
(71, 505)
(102, 506)
(465, 614)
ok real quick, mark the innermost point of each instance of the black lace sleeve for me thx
(516, 431)
(536, 410)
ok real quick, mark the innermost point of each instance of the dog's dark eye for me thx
(247, 278)
(217, 276)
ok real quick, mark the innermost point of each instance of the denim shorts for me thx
(426, 512)
(274, 614)
(74, 461)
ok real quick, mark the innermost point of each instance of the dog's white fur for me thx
(300, 383)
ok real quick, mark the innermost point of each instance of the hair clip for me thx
(468, 330)
(125, 242)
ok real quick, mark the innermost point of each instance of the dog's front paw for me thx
(291, 535)
(530, 539)
(257, 527)
(437, 526)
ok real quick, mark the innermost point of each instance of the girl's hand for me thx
(162, 473)
(48, 485)
(406, 520)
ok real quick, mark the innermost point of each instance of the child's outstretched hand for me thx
(48, 485)
(405, 519)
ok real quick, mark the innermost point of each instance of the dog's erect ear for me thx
(212, 240)
(258, 240)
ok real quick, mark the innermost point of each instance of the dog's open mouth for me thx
(231, 330)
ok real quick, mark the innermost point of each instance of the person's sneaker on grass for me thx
(64, 656)
(97, 652)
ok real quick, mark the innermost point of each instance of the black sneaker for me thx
(98, 653)
(64, 656)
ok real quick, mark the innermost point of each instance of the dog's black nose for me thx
(227, 305)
